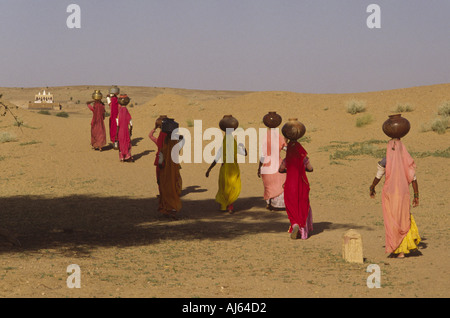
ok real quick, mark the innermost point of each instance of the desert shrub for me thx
(440, 125)
(403, 108)
(364, 120)
(44, 112)
(444, 109)
(62, 114)
(356, 106)
(190, 123)
(6, 137)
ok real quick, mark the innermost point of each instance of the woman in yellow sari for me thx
(229, 175)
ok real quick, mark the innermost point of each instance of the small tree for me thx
(7, 109)
(4, 232)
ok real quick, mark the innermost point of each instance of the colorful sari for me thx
(229, 175)
(401, 233)
(170, 182)
(124, 119)
(296, 191)
(98, 132)
(159, 144)
(114, 107)
(273, 180)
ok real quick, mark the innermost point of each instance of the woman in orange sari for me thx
(401, 233)
(170, 182)
(158, 141)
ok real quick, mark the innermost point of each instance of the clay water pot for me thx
(168, 125)
(97, 95)
(114, 90)
(293, 129)
(123, 99)
(396, 126)
(228, 121)
(272, 120)
(158, 121)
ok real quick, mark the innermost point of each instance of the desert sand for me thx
(68, 204)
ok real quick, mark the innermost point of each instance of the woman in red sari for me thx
(124, 128)
(114, 111)
(296, 188)
(98, 132)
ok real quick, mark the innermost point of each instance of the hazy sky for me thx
(306, 46)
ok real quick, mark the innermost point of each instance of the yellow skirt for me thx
(411, 240)
(229, 185)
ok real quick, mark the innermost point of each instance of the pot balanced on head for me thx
(396, 126)
(272, 120)
(228, 121)
(97, 95)
(124, 100)
(293, 129)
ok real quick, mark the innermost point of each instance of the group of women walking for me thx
(120, 123)
(286, 187)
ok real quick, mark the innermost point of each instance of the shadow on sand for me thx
(86, 222)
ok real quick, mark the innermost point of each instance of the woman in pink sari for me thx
(296, 190)
(270, 161)
(401, 232)
(125, 128)
(98, 132)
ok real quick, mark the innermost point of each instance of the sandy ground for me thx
(69, 204)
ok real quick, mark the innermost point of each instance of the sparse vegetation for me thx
(33, 142)
(364, 120)
(444, 109)
(7, 137)
(356, 106)
(62, 114)
(439, 125)
(403, 108)
(44, 112)
(305, 139)
(343, 150)
(190, 123)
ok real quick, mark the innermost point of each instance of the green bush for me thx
(444, 109)
(62, 114)
(404, 108)
(6, 137)
(355, 107)
(440, 125)
(364, 120)
(44, 112)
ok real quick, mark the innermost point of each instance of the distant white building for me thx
(43, 98)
